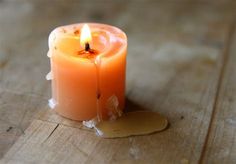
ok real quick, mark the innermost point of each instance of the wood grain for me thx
(221, 141)
(175, 60)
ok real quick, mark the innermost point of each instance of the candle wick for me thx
(87, 47)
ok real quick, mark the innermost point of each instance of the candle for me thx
(88, 65)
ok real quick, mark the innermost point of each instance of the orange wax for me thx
(83, 83)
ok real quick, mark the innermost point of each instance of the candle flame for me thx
(85, 37)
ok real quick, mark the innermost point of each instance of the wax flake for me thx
(112, 106)
(52, 103)
(51, 39)
(49, 76)
(98, 132)
(90, 123)
(49, 54)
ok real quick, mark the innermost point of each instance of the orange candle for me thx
(88, 65)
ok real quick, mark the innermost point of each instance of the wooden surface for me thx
(181, 63)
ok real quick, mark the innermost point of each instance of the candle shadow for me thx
(132, 106)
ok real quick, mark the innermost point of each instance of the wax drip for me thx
(97, 64)
(49, 76)
(49, 54)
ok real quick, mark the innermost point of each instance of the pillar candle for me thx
(88, 67)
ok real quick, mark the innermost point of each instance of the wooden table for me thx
(181, 63)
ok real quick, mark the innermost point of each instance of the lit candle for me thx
(88, 65)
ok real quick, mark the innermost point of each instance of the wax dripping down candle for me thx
(85, 40)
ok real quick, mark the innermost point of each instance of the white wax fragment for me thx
(90, 123)
(49, 54)
(49, 76)
(52, 103)
(51, 39)
(113, 110)
(98, 132)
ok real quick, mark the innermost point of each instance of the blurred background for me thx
(175, 51)
(157, 30)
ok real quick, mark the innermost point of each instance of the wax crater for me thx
(108, 41)
(83, 81)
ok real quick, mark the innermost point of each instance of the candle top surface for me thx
(105, 42)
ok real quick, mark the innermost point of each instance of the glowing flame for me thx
(85, 37)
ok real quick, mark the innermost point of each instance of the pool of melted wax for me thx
(132, 123)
